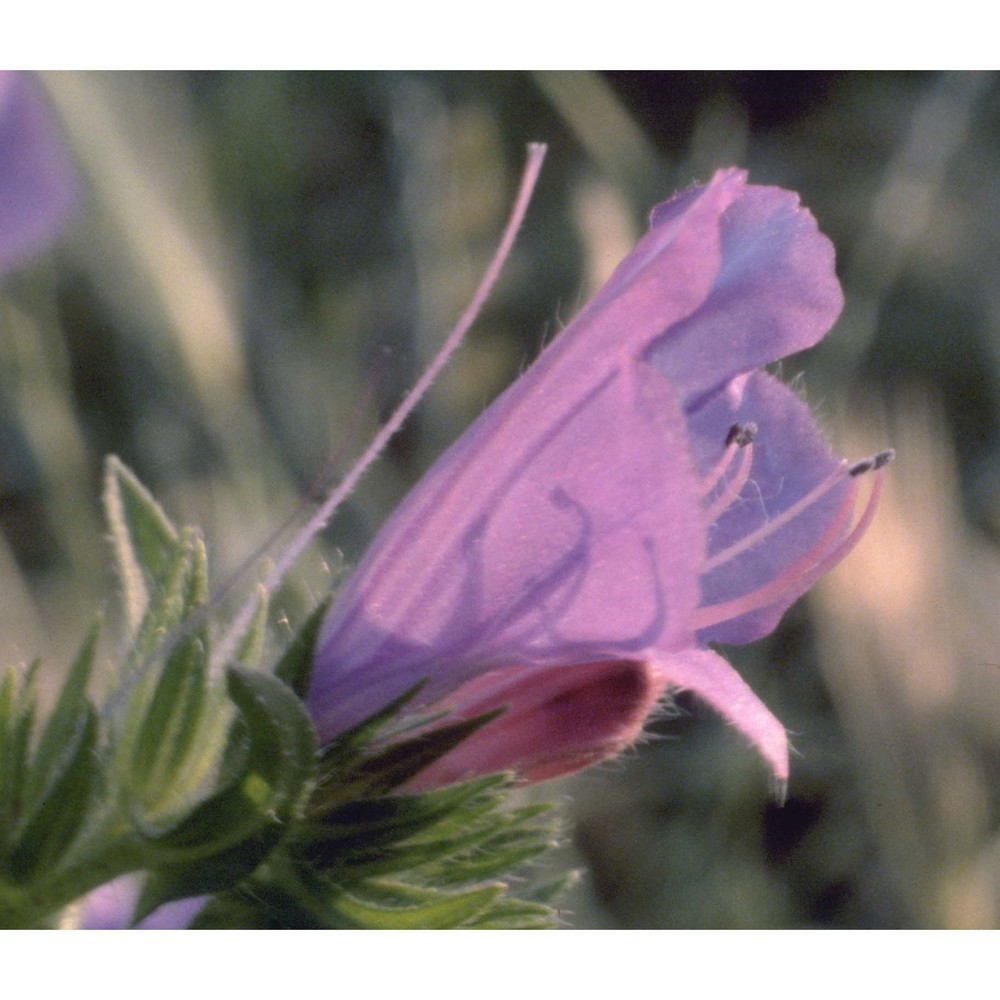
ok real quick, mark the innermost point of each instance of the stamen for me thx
(739, 436)
(804, 572)
(872, 464)
(733, 488)
(768, 529)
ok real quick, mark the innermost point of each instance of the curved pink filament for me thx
(789, 514)
(709, 482)
(732, 489)
(803, 572)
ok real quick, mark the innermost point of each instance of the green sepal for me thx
(348, 747)
(358, 835)
(380, 772)
(350, 768)
(49, 758)
(548, 892)
(51, 826)
(377, 905)
(433, 859)
(396, 905)
(176, 607)
(512, 914)
(483, 850)
(17, 713)
(295, 665)
(228, 835)
(144, 540)
(251, 646)
(53, 791)
(176, 752)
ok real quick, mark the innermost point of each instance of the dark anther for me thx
(741, 434)
(870, 464)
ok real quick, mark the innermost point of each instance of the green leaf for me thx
(282, 744)
(274, 898)
(52, 790)
(143, 538)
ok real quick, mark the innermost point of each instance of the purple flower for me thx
(37, 182)
(110, 908)
(640, 492)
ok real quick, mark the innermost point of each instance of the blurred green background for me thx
(263, 262)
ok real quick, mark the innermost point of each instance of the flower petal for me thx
(684, 244)
(776, 293)
(563, 523)
(639, 492)
(790, 460)
(110, 908)
(528, 543)
(714, 681)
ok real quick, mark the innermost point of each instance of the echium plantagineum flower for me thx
(37, 181)
(642, 491)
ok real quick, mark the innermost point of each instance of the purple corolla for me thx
(37, 182)
(110, 908)
(640, 492)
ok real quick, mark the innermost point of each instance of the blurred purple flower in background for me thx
(639, 492)
(110, 908)
(37, 181)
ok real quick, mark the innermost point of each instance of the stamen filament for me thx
(804, 572)
(739, 436)
(733, 488)
(789, 514)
